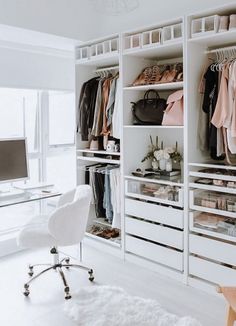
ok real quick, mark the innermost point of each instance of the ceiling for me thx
(77, 19)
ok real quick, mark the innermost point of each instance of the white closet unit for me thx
(211, 249)
(153, 226)
(164, 234)
(93, 58)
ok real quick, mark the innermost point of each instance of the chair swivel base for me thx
(64, 263)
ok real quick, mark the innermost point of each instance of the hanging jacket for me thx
(208, 106)
(87, 106)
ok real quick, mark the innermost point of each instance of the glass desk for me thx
(29, 196)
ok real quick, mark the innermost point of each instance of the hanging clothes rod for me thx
(96, 168)
(228, 48)
(107, 69)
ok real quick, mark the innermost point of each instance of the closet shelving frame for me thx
(87, 68)
(164, 238)
(150, 241)
(211, 253)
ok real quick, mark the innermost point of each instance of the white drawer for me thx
(213, 249)
(193, 205)
(153, 232)
(156, 213)
(137, 188)
(212, 272)
(159, 254)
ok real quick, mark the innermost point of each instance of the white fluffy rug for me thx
(112, 306)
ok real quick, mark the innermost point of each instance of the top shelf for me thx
(213, 40)
(164, 86)
(163, 51)
(102, 60)
(213, 166)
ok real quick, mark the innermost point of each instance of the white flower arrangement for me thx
(163, 153)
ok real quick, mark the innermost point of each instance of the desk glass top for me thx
(29, 196)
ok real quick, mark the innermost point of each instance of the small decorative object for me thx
(162, 155)
(155, 165)
(162, 164)
(175, 155)
(150, 154)
(169, 165)
(111, 146)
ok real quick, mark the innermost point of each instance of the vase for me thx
(169, 165)
(155, 165)
(162, 164)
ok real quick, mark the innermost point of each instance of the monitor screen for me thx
(13, 160)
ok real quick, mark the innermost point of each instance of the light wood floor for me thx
(45, 305)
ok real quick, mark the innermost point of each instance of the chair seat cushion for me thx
(36, 233)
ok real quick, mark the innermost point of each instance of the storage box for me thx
(172, 33)
(151, 38)
(205, 25)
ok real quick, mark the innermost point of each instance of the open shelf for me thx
(152, 127)
(102, 60)
(214, 166)
(160, 87)
(226, 190)
(98, 159)
(89, 151)
(106, 241)
(162, 51)
(158, 181)
(215, 39)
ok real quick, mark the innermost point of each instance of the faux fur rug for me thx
(112, 306)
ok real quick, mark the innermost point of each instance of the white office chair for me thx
(66, 226)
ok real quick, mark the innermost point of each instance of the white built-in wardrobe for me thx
(156, 233)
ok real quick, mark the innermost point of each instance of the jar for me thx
(155, 165)
(169, 165)
(162, 164)
(230, 205)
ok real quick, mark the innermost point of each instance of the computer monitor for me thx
(13, 160)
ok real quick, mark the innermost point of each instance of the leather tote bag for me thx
(174, 113)
(149, 110)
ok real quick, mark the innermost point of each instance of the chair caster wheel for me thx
(68, 297)
(26, 291)
(67, 260)
(31, 271)
(91, 277)
(67, 293)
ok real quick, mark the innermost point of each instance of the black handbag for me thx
(149, 111)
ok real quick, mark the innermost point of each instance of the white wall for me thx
(22, 69)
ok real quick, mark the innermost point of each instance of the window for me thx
(40, 116)
(61, 119)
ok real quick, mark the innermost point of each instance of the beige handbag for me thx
(174, 113)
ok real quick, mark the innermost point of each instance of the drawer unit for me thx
(213, 202)
(156, 213)
(213, 249)
(213, 225)
(212, 272)
(153, 232)
(159, 193)
(159, 254)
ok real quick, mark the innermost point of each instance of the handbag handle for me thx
(146, 95)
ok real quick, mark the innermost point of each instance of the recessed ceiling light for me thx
(115, 7)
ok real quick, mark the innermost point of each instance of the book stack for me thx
(175, 173)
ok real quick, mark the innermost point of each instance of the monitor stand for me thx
(11, 193)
